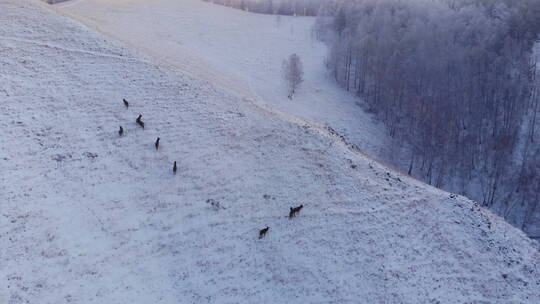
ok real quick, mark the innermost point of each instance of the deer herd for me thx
(292, 213)
(139, 122)
(262, 233)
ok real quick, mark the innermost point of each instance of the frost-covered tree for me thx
(293, 73)
(340, 22)
(278, 20)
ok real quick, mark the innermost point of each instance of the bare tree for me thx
(293, 73)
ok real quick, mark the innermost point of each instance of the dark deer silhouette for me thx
(121, 131)
(262, 232)
(174, 169)
(139, 121)
(157, 143)
(295, 210)
(126, 103)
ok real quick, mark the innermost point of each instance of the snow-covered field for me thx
(240, 51)
(87, 216)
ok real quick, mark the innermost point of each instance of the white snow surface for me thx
(87, 216)
(240, 51)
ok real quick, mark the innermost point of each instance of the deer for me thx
(295, 210)
(139, 121)
(262, 232)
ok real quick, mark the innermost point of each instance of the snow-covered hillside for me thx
(87, 216)
(240, 51)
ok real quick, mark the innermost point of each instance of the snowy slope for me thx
(240, 51)
(89, 217)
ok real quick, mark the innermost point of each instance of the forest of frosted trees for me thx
(275, 7)
(455, 82)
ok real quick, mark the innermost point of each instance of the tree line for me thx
(455, 82)
(275, 7)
